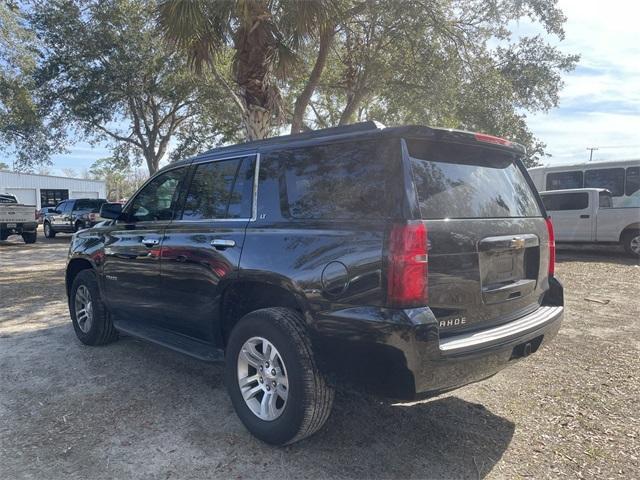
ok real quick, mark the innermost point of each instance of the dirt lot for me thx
(132, 410)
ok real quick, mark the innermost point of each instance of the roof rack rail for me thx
(325, 132)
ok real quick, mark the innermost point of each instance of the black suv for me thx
(411, 260)
(72, 215)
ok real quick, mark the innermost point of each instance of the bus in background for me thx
(621, 178)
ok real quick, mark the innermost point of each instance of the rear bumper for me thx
(19, 227)
(399, 353)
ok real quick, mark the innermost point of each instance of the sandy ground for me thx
(132, 410)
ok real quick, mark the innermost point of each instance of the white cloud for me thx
(600, 104)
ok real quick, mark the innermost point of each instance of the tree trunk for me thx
(257, 122)
(297, 122)
(153, 162)
(352, 106)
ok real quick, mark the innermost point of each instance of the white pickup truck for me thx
(587, 215)
(17, 219)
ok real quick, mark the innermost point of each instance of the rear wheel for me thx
(631, 242)
(89, 316)
(48, 231)
(274, 383)
(29, 237)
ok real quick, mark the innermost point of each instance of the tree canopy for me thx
(172, 78)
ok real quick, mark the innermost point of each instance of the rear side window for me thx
(351, 180)
(633, 180)
(564, 180)
(605, 200)
(610, 178)
(566, 201)
(220, 190)
(459, 181)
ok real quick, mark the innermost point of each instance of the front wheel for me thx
(29, 237)
(274, 383)
(631, 243)
(90, 318)
(48, 231)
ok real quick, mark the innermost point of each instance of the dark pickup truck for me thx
(72, 215)
(411, 260)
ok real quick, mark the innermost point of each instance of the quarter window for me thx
(339, 181)
(564, 180)
(633, 180)
(220, 189)
(156, 200)
(610, 178)
(605, 200)
(566, 201)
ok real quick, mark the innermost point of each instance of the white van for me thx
(588, 215)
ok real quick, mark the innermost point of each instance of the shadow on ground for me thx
(137, 410)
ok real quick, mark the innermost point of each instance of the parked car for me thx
(411, 260)
(40, 214)
(17, 219)
(72, 215)
(588, 215)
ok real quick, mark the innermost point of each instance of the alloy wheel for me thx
(635, 244)
(262, 378)
(84, 308)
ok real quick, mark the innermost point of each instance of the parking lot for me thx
(132, 410)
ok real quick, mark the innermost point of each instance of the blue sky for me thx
(599, 105)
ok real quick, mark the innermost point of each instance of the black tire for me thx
(4, 235)
(310, 397)
(78, 226)
(630, 241)
(29, 237)
(48, 231)
(101, 330)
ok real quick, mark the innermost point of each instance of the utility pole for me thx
(591, 149)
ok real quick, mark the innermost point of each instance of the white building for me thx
(48, 190)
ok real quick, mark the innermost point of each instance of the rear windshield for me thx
(7, 199)
(460, 181)
(89, 204)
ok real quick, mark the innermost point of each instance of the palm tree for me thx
(263, 36)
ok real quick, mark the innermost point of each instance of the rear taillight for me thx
(552, 247)
(407, 280)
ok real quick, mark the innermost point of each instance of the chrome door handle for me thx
(221, 243)
(150, 242)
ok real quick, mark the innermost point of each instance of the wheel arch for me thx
(247, 295)
(629, 228)
(74, 267)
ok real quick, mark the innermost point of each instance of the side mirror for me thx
(111, 210)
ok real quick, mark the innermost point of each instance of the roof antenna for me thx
(591, 149)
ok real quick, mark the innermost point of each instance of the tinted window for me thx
(8, 199)
(633, 180)
(89, 204)
(564, 180)
(566, 201)
(458, 181)
(66, 207)
(220, 190)
(156, 199)
(352, 180)
(610, 178)
(604, 200)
